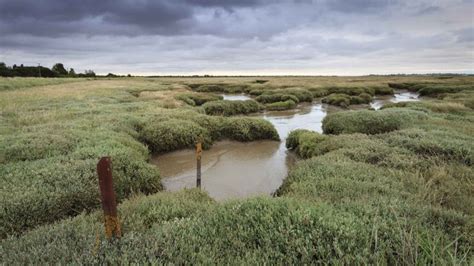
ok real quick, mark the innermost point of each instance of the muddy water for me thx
(234, 169)
(399, 96)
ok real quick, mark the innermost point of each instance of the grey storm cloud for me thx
(240, 36)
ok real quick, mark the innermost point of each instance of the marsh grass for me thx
(228, 108)
(392, 187)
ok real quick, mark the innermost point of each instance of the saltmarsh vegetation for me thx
(375, 193)
(52, 137)
(228, 108)
(198, 99)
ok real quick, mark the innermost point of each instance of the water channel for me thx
(233, 169)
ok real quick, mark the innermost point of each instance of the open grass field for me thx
(393, 186)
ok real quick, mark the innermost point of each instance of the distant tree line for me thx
(58, 70)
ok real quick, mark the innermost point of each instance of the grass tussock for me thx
(279, 106)
(228, 108)
(371, 122)
(185, 130)
(344, 100)
(198, 99)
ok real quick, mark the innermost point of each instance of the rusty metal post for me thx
(198, 159)
(109, 204)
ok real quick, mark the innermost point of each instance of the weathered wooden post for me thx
(198, 159)
(109, 203)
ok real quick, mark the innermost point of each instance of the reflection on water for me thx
(235, 97)
(234, 169)
(399, 96)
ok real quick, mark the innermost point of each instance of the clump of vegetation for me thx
(256, 92)
(198, 99)
(304, 142)
(344, 100)
(298, 95)
(432, 89)
(338, 99)
(228, 108)
(184, 131)
(225, 88)
(174, 134)
(277, 97)
(248, 129)
(278, 106)
(370, 122)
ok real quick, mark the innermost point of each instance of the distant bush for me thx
(370, 122)
(228, 108)
(197, 99)
(289, 104)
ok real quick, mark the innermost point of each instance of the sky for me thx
(241, 37)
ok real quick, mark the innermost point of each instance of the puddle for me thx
(235, 97)
(236, 170)
(399, 96)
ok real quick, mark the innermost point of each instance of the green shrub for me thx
(304, 142)
(280, 105)
(198, 99)
(228, 108)
(370, 122)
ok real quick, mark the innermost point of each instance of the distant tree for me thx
(5, 71)
(72, 73)
(89, 73)
(59, 69)
(128, 75)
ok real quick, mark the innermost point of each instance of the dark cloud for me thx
(147, 36)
